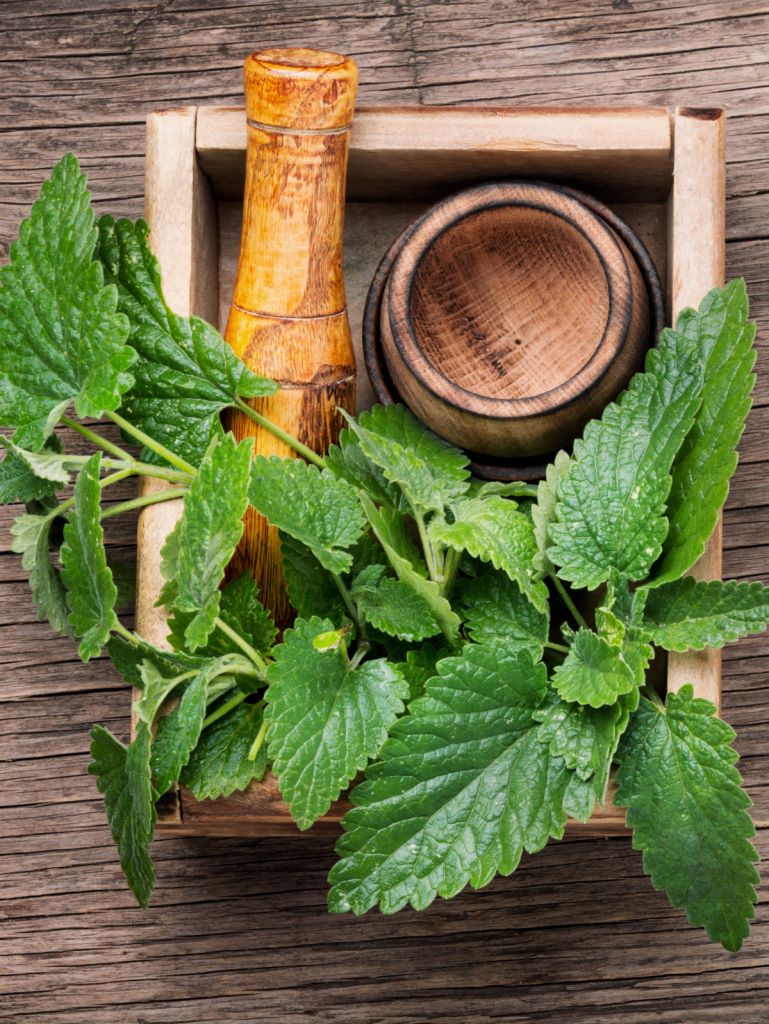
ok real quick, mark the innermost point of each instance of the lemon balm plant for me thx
(458, 672)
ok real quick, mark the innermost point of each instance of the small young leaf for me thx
(91, 593)
(123, 777)
(430, 471)
(169, 567)
(390, 531)
(687, 811)
(464, 785)
(315, 508)
(543, 510)
(395, 608)
(594, 671)
(18, 482)
(185, 374)
(708, 457)
(326, 719)
(498, 611)
(63, 339)
(156, 685)
(241, 610)
(611, 502)
(31, 540)
(419, 666)
(178, 733)
(687, 613)
(220, 764)
(492, 529)
(209, 530)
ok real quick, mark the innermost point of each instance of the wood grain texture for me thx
(696, 219)
(238, 929)
(512, 315)
(288, 318)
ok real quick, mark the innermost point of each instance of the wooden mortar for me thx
(288, 319)
(512, 315)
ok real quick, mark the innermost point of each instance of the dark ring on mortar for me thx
(486, 466)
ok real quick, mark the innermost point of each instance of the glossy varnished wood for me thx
(288, 318)
(238, 928)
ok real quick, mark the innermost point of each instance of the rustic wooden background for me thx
(238, 930)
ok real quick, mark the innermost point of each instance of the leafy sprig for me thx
(441, 644)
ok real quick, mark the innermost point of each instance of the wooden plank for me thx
(402, 153)
(697, 264)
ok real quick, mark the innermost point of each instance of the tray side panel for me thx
(697, 253)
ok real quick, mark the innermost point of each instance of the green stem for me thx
(220, 712)
(258, 742)
(292, 442)
(568, 601)
(146, 499)
(347, 601)
(450, 570)
(153, 445)
(432, 564)
(651, 694)
(360, 654)
(120, 628)
(557, 647)
(242, 644)
(96, 439)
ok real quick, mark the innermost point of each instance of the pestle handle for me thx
(288, 319)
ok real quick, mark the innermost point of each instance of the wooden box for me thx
(662, 171)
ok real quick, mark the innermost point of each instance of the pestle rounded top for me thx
(299, 89)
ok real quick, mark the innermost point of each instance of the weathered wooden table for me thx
(238, 929)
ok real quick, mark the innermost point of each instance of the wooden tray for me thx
(662, 172)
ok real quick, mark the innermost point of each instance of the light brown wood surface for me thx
(512, 315)
(288, 319)
(238, 929)
(697, 263)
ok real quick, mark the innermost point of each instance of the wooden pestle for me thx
(288, 319)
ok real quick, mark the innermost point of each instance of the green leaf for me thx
(491, 529)
(128, 659)
(326, 719)
(543, 510)
(395, 608)
(63, 339)
(169, 567)
(156, 686)
(315, 508)
(31, 539)
(311, 590)
(611, 503)
(464, 785)
(209, 530)
(498, 611)
(18, 482)
(123, 777)
(91, 594)
(419, 666)
(688, 813)
(349, 462)
(430, 471)
(178, 732)
(708, 457)
(124, 578)
(582, 735)
(219, 764)
(186, 374)
(687, 613)
(241, 610)
(390, 531)
(594, 671)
